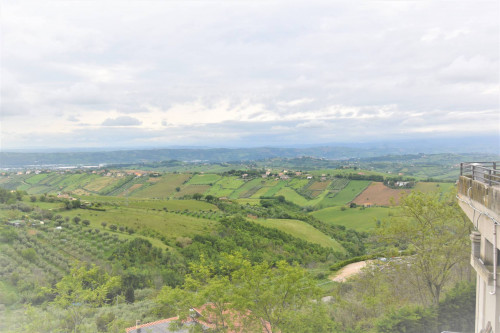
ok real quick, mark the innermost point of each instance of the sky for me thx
(246, 73)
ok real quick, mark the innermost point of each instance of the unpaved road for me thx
(349, 270)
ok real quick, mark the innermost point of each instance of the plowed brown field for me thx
(379, 194)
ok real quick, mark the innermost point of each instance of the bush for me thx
(102, 322)
(409, 320)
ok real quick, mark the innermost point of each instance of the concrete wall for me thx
(481, 204)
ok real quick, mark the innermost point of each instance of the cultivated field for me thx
(379, 194)
(164, 187)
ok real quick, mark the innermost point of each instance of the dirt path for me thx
(348, 271)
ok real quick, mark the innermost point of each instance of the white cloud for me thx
(197, 72)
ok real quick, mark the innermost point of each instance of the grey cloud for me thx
(122, 121)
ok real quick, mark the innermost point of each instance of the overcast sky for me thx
(253, 73)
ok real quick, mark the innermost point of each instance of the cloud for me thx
(295, 102)
(122, 121)
(262, 72)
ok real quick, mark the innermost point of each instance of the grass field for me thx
(36, 179)
(245, 188)
(434, 187)
(99, 183)
(205, 179)
(170, 224)
(293, 196)
(191, 189)
(231, 182)
(301, 230)
(164, 187)
(353, 189)
(275, 188)
(359, 219)
(298, 183)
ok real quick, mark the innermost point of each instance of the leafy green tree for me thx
(84, 288)
(437, 231)
(259, 297)
(29, 254)
(8, 235)
(197, 196)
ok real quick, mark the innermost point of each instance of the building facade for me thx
(479, 197)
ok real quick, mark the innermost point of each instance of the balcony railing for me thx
(485, 172)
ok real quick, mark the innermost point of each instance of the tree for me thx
(33, 198)
(83, 288)
(437, 231)
(76, 219)
(104, 224)
(260, 297)
(86, 223)
(197, 196)
(209, 198)
(113, 227)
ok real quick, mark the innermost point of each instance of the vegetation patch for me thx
(164, 187)
(205, 179)
(303, 231)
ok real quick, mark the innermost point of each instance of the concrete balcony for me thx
(485, 271)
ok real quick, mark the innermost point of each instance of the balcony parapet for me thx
(485, 271)
(480, 192)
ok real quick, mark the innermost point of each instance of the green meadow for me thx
(359, 219)
(301, 230)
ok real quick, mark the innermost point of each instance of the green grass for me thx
(36, 179)
(358, 219)
(163, 187)
(298, 183)
(434, 187)
(245, 188)
(293, 196)
(346, 195)
(206, 179)
(170, 224)
(301, 230)
(231, 182)
(193, 205)
(275, 189)
(192, 189)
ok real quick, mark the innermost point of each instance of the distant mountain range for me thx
(22, 159)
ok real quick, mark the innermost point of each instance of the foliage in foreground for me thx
(241, 293)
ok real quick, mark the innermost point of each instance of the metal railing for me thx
(485, 172)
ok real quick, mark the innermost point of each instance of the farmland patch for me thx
(379, 194)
